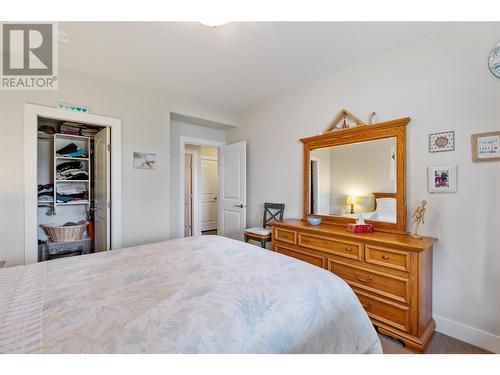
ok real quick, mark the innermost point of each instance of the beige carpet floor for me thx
(440, 344)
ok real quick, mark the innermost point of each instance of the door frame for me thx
(182, 147)
(316, 198)
(199, 193)
(31, 114)
(194, 181)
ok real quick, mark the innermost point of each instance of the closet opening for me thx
(201, 183)
(74, 188)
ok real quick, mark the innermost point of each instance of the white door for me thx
(102, 192)
(232, 190)
(188, 195)
(208, 195)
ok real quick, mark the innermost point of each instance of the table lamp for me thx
(352, 201)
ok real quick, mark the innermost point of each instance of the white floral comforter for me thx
(196, 295)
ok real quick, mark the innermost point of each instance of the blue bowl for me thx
(314, 220)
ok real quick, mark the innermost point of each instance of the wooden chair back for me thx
(272, 211)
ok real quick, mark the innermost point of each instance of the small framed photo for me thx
(442, 178)
(144, 160)
(486, 146)
(440, 142)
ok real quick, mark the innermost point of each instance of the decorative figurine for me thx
(416, 219)
(370, 118)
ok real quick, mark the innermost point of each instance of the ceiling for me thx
(232, 67)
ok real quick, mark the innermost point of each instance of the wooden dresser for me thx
(390, 273)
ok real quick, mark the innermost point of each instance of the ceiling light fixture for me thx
(213, 23)
(63, 37)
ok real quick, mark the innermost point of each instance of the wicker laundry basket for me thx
(64, 234)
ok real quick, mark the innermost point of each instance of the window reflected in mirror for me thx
(353, 180)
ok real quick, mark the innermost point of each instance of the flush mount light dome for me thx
(213, 22)
(63, 37)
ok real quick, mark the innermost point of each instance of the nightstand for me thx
(2, 262)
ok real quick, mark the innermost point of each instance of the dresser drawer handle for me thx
(305, 240)
(385, 257)
(326, 242)
(348, 249)
(367, 305)
(362, 280)
(284, 235)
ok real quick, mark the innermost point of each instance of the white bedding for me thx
(196, 295)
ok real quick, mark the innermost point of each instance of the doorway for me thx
(231, 190)
(94, 178)
(313, 183)
(201, 184)
(73, 178)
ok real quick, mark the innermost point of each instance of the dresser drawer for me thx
(346, 249)
(285, 235)
(390, 313)
(383, 256)
(383, 284)
(301, 255)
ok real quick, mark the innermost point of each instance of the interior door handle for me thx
(238, 205)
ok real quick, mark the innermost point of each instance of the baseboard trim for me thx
(468, 334)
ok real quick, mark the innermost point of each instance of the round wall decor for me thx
(494, 60)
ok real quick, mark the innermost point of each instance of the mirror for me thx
(355, 179)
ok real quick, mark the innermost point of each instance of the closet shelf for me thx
(72, 180)
(70, 158)
(60, 135)
(75, 203)
(45, 204)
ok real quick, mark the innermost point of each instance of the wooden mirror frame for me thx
(387, 129)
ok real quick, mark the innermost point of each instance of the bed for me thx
(195, 295)
(384, 205)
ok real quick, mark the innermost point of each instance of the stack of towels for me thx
(72, 151)
(70, 193)
(72, 170)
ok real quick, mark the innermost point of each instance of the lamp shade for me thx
(351, 199)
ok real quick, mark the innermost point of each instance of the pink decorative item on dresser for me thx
(360, 228)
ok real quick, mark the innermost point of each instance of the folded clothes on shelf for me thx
(70, 189)
(70, 165)
(46, 193)
(70, 128)
(72, 151)
(90, 132)
(80, 153)
(45, 188)
(46, 197)
(72, 170)
(73, 174)
(65, 198)
(70, 193)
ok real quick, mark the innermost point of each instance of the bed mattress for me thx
(196, 295)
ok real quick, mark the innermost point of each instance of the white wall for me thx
(145, 121)
(177, 130)
(443, 83)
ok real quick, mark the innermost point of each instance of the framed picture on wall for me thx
(442, 178)
(486, 146)
(439, 142)
(144, 160)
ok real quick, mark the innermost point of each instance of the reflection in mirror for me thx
(357, 179)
